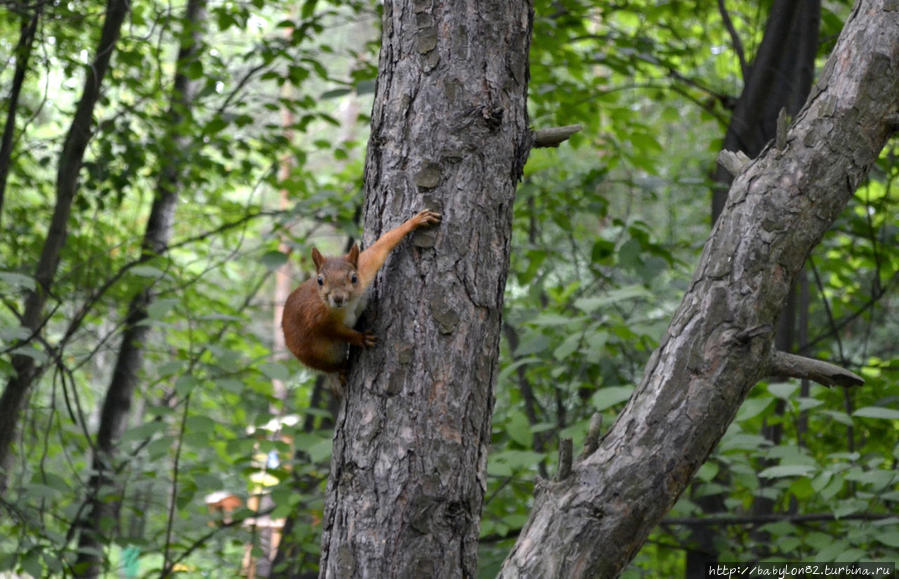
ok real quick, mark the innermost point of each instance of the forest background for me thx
(228, 138)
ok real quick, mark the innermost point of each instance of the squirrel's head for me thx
(336, 277)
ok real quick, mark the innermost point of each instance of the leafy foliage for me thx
(606, 230)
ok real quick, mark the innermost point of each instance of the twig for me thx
(591, 442)
(733, 161)
(564, 459)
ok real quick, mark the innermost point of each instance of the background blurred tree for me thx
(605, 232)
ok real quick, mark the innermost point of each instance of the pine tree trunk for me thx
(719, 343)
(449, 133)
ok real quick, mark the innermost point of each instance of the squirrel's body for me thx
(319, 315)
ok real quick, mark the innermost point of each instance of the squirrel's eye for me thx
(354, 279)
(320, 280)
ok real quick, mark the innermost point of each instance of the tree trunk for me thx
(70, 160)
(449, 132)
(779, 79)
(23, 53)
(719, 343)
(94, 526)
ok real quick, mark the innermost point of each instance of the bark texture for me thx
(779, 79)
(101, 511)
(719, 343)
(449, 133)
(70, 161)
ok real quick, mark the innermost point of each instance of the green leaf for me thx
(707, 471)
(41, 491)
(839, 416)
(553, 320)
(144, 431)
(17, 280)
(878, 479)
(147, 271)
(568, 346)
(877, 412)
(609, 396)
(890, 538)
(519, 430)
(752, 407)
(787, 470)
(783, 390)
(230, 385)
(590, 305)
(275, 370)
(507, 371)
(185, 384)
(158, 309)
(198, 424)
(273, 260)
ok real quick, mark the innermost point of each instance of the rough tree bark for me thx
(101, 511)
(70, 160)
(449, 132)
(719, 343)
(779, 78)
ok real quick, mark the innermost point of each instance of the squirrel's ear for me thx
(317, 258)
(353, 255)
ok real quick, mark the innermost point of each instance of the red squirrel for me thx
(319, 315)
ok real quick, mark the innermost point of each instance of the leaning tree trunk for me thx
(719, 343)
(70, 159)
(779, 78)
(449, 132)
(101, 512)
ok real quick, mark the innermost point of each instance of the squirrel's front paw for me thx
(426, 217)
(368, 339)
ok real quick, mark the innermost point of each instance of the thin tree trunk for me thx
(25, 370)
(449, 132)
(719, 343)
(23, 54)
(94, 525)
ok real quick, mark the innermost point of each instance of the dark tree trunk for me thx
(779, 79)
(449, 132)
(720, 341)
(23, 54)
(70, 160)
(93, 527)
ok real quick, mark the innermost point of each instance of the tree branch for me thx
(554, 136)
(786, 365)
(718, 344)
(733, 161)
